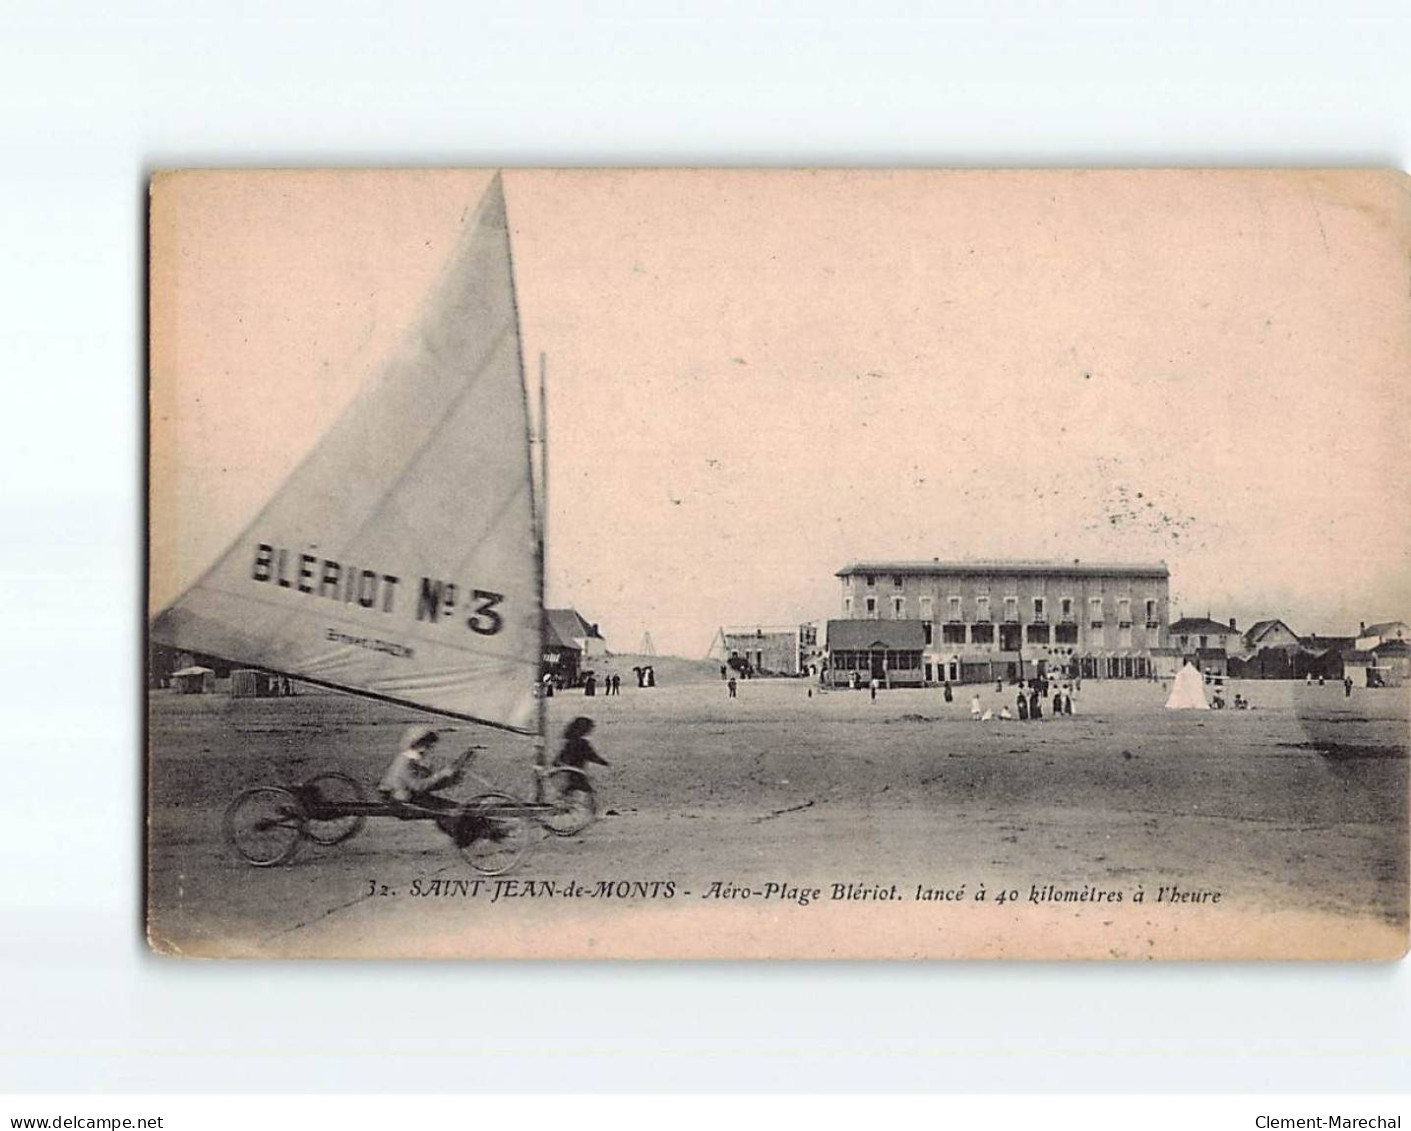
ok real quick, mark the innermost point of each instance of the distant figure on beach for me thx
(590, 686)
(1346, 686)
(1067, 703)
(872, 686)
(1021, 704)
(1308, 679)
(1057, 704)
(723, 671)
(1036, 705)
(651, 676)
(947, 692)
(1320, 681)
(616, 684)
(1006, 713)
(987, 716)
(641, 674)
(975, 706)
(999, 686)
(731, 684)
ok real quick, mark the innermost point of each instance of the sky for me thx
(756, 377)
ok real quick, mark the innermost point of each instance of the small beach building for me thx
(887, 650)
(194, 680)
(766, 649)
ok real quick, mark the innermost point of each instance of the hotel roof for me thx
(902, 635)
(1202, 624)
(1008, 566)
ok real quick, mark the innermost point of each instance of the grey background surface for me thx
(95, 96)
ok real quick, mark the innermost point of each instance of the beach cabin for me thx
(194, 681)
(886, 650)
(563, 659)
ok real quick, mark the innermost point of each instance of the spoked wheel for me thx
(322, 797)
(492, 833)
(573, 806)
(264, 825)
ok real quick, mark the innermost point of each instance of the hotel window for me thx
(1124, 636)
(1038, 608)
(926, 609)
(1065, 607)
(1065, 633)
(871, 580)
(982, 633)
(898, 607)
(896, 581)
(847, 606)
(1036, 633)
(982, 608)
(1096, 635)
(1095, 612)
(952, 633)
(926, 631)
(1124, 612)
(953, 608)
(1151, 620)
(1011, 609)
(872, 606)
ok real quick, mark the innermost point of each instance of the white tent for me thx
(1187, 691)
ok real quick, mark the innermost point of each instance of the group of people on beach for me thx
(1029, 701)
(612, 684)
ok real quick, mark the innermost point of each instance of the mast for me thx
(541, 753)
(537, 518)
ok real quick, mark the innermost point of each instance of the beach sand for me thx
(1294, 813)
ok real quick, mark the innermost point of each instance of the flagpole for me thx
(541, 754)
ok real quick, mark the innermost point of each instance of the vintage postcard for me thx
(779, 564)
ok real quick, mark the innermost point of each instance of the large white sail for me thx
(401, 559)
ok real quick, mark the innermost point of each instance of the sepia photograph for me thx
(778, 564)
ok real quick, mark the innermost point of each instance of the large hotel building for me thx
(908, 623)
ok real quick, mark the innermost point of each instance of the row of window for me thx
(1012, 635)
(864, 661)
(1200, 641)
(899, 582)
(1095, 667)
(1011, 609)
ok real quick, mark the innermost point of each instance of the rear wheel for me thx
(573, 806)
(492, 833)
(264, 825)
(322, 797)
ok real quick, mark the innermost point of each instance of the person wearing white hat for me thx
(413, 778)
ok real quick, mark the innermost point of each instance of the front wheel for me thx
(492, 833)
(572, 804)
(264, 825)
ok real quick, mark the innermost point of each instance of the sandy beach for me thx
(781, 824)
